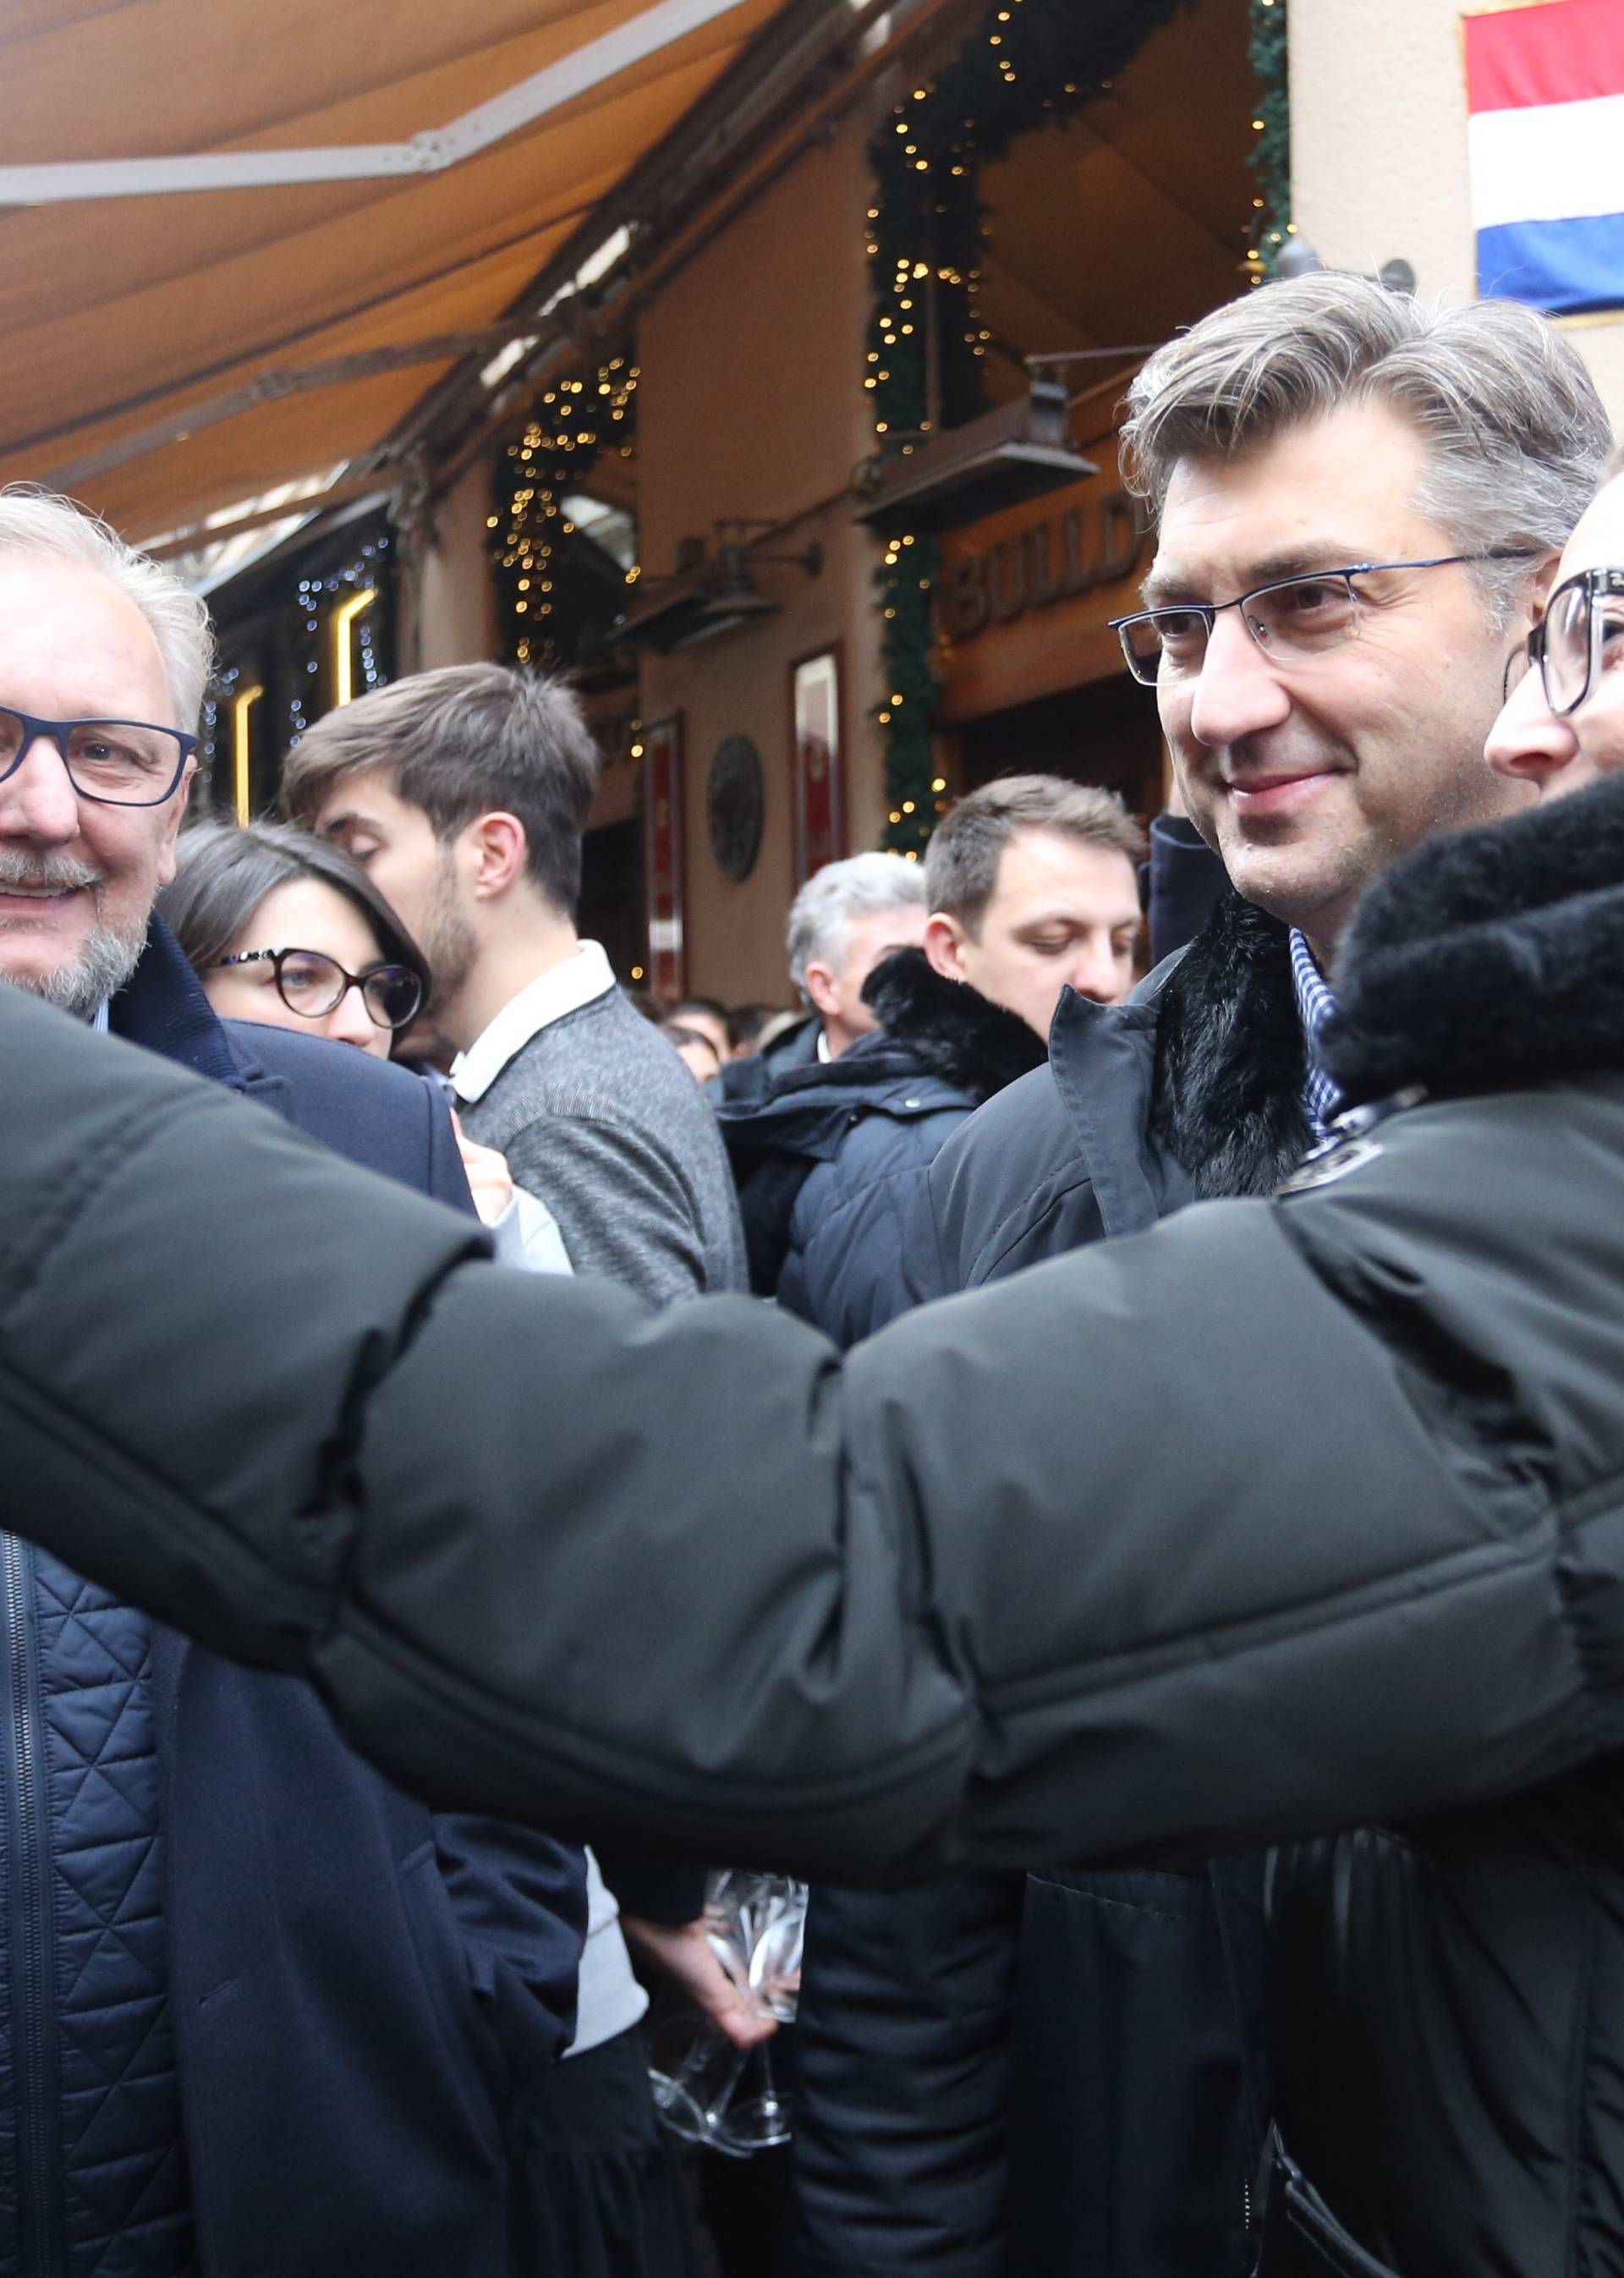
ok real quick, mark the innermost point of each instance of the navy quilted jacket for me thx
(98, 2187)
(262, 2016)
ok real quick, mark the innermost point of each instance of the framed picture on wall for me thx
(817, 763)
(665, 856)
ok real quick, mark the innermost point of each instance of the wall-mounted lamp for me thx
(343, 643)
(712, 597)
(243, 749)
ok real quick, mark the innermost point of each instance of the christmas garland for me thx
(541, 617)
(1272, 123)
(1029, 62)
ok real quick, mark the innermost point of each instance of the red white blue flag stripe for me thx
(1545, 124)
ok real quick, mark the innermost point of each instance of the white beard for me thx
(107, 959)
(99, 971)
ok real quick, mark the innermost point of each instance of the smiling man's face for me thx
(1309, 777)
(77, 879)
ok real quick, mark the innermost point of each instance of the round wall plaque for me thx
(734, 806)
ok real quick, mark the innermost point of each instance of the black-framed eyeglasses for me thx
(1571, 640)
(313, 984)
(1291, 620)
(116, 762)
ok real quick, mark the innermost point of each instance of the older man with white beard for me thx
(258, 2009)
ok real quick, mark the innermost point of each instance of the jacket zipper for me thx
(39, 2147)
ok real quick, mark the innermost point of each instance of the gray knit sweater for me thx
(598, 1116)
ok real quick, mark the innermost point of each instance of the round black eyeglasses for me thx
(313, 984)
(116, 762)
(1571, 640)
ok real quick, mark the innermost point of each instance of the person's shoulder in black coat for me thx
(829, 1159)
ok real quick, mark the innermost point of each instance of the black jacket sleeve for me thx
(902, 2057)
(1285, 1516)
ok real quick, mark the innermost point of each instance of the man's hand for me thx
(685, 1955)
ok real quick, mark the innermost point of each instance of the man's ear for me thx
(944, 945)
(820, 985)
(496, 853)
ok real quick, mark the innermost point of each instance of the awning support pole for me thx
(432, 152)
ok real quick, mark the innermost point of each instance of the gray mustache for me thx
(54, 871)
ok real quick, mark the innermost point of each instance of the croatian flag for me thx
(1545, 104)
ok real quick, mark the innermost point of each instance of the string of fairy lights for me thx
(1029, 62)
(287, 670)
(362, 627)
(576, 421)
(1270, 154)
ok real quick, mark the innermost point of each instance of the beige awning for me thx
(119, 311)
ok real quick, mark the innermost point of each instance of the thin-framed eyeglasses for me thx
(313, 984)
(1291, 620)
(1585, 617)
(115, 762)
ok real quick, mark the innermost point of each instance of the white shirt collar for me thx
(562, 989)
(824, 1053)
(100, 1023)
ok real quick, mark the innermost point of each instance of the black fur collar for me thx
(1490, 957)
(950, 1029)
(1231, 1061)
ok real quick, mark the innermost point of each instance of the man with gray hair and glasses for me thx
(1355, 495)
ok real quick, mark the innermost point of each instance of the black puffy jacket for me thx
(967, 1597)
(830, 1159)
(1060, 2075)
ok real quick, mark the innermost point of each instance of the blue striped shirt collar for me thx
(1314, 1006)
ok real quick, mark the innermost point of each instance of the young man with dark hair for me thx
(463, 793)
(1030, 888)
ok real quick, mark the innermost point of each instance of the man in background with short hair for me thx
(464, 794)
(846, 918)
(707, 1017)
(1031, 888)
(845, 921)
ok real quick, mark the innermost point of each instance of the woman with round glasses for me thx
(285, 929)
